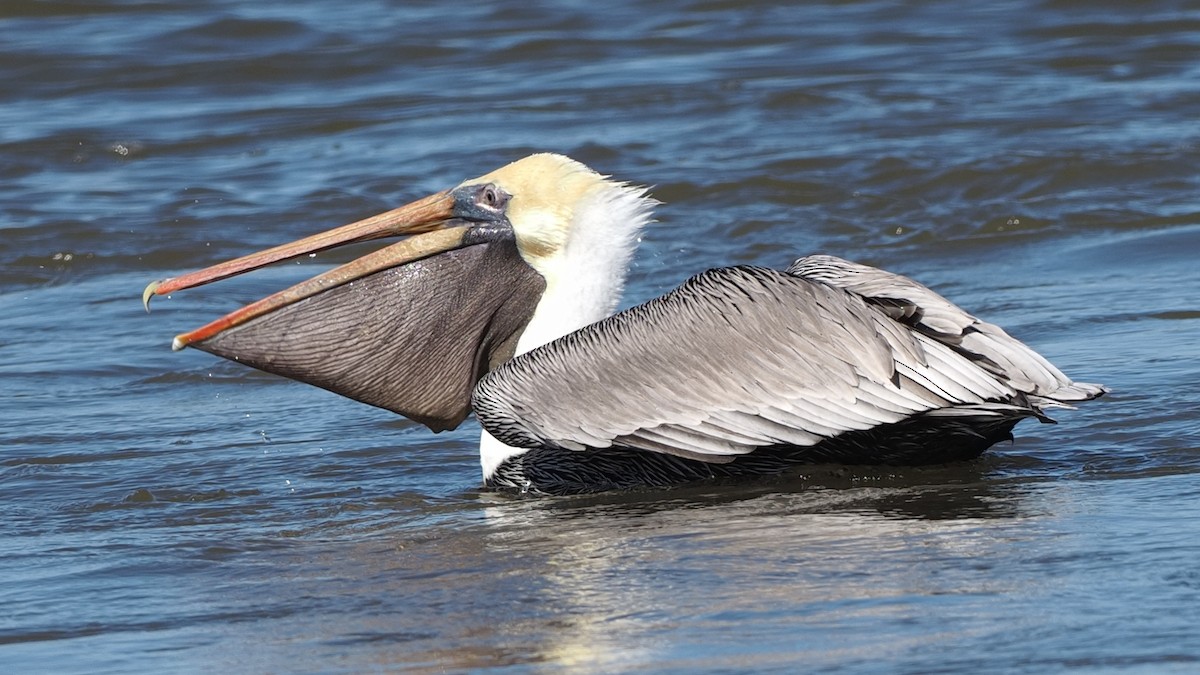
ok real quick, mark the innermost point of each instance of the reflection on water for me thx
(823, 576)
(1035, 161)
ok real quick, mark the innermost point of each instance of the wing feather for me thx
(735, 359)
(985, 344)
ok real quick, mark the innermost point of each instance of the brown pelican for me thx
(502, 302)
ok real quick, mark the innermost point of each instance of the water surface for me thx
(1036, 161)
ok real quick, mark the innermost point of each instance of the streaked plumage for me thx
(783, 368)
(739, 371)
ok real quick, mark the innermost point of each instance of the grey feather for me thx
(986, 344)
(735, 360)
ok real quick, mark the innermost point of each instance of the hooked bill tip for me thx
(178, 343)
(149, 293)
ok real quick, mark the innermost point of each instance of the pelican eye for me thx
(491, 197)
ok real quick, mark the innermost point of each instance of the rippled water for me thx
(1035, 161)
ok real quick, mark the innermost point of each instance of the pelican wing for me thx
(733, 360)
(915, 305)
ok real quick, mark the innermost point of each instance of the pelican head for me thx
(578, 229)
(493, 267)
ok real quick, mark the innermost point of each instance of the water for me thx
(1035, 161)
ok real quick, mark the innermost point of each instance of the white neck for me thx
(584, 280)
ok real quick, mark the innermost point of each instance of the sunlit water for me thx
(159, 511)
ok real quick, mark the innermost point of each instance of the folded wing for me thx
(914, 305)
(742, 358)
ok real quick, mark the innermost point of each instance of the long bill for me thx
(429, 217)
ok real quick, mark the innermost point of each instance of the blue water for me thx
(1035, 161)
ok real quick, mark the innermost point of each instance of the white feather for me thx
(585, 278)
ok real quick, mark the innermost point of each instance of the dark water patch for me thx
(143, 495)
(213, 373)
(42, 8)
(228, 34)
(1177, 315)
(73, 458)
